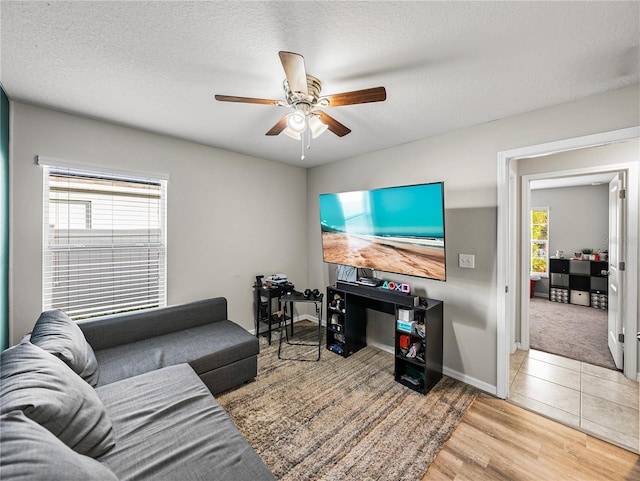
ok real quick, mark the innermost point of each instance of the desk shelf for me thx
(402, 357)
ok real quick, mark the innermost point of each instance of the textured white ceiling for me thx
(445, 65)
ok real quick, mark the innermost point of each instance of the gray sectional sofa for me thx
(127, 397)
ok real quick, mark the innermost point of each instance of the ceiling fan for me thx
(303, 95)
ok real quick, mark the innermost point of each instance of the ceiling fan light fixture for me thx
(292, 133)
(297, 121)
(316, 126)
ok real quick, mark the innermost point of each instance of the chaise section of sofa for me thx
(221, 352)
(170, 419)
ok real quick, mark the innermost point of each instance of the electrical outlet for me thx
(466, 261)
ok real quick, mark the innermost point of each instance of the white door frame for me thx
(507, 247)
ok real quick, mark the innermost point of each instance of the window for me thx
(104, 242)
(540, 241)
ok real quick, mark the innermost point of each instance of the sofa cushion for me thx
(50, 393)
(56, 333)
(168, 427)
(206, 348)
(29, 451)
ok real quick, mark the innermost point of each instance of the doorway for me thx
(570, 314)
(513, 288)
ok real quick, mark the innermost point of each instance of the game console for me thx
(369, 281)
(277, 279)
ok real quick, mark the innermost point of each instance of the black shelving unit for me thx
(581, 282)
(346, 325)
(418, 352)
(263, 309)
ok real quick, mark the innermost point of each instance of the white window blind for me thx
(104, 242)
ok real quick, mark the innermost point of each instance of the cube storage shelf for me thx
(578, 282)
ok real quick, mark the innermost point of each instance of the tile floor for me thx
(590, 398)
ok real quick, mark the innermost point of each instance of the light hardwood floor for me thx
(499, 441)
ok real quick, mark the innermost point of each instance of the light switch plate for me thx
(466, 261)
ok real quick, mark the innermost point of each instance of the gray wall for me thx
(578, 218)
(466, 160)
(224, 228)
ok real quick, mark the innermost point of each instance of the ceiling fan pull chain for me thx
(302, 146)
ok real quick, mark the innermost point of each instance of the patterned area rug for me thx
(339, 418)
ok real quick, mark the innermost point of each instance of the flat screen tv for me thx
(396, 229)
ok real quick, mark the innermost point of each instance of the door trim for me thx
(507, 247)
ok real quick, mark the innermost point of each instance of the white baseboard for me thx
(307, 317)
(472, 381)
(382, 347)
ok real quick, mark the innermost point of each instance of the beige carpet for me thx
(569, 330)
(342, 418)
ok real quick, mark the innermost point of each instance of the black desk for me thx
(347, 306)
(264, 314)
(290, 299)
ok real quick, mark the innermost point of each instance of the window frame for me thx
(155, 295)
(544, 274)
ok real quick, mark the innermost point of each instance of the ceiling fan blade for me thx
(279, 127)
(376, 94)
(245, 100)
(293, 64)
(332, 124)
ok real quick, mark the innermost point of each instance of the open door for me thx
(616, 265)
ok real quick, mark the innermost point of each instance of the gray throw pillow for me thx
(50, 393)
(56, 333)
(30, 452)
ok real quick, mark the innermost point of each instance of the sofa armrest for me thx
(109, 331)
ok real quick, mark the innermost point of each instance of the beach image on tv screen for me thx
(397, 229)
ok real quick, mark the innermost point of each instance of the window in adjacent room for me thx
(104, 242)
(540, 241)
